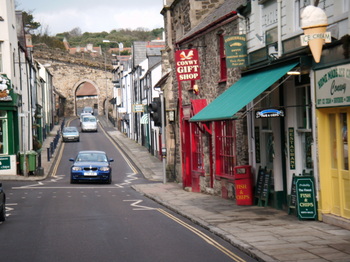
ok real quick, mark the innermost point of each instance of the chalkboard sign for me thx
(266, 187)
(306, 202)
(262, 189)
(293, 196)
(259, 182)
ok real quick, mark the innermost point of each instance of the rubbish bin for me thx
(243, 185)
(31, 155)
(29, 158)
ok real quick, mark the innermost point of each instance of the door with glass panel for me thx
(339, 123)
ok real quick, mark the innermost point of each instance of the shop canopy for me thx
(247, 88)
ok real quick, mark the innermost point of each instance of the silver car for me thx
(82, 115)
(88, 109)
(89, 123)
(70, 133)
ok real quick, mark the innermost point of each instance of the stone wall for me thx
(70, 71)
(185, 15)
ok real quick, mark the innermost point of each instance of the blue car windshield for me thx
(91, 157)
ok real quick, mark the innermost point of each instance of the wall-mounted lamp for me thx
(293, 73)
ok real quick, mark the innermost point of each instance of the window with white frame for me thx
(3, 133)
(304, 125)
(346, 4)
(299, 6)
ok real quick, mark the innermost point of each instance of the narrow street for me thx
(53, 220)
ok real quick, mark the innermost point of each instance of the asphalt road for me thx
(54, 220)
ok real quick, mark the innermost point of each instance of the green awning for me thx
(240, 94)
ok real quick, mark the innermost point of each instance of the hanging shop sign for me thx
(187, 65)
(314, 22)
(236, 51)
(333, 86)
(138, 108)
(268, 113)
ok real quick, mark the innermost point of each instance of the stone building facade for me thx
(73, 71)
(200, 25)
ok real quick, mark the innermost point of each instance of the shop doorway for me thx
(333, 134)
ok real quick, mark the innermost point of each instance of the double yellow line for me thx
(209, 240)
(120, 151)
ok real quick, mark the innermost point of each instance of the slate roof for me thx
(226, 10)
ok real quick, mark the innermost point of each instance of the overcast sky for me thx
(60, 16)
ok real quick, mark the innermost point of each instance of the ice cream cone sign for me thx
(314, 22)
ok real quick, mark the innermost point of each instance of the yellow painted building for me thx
(332, 90)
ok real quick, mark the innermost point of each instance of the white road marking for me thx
(66, 187)
(139, 207)
(131, 177)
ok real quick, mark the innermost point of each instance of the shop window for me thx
(304, 125)
(225, 148)
(223, 67)
(197, 150)
(3, 133)
(303, 107)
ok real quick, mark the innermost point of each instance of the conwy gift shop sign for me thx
(333, 86)
(187, 65)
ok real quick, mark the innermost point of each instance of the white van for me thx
(89, 123)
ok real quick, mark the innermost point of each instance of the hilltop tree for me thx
(29, 24)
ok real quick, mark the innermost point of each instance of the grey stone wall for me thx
(70, 71)
(186, 14)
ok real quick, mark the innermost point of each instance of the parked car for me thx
(70, 133)
(88, 109)
(91, 166)
(2, 204)
(89, 123)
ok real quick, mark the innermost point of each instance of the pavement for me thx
(264, 233)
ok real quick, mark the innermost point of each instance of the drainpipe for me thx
(279, 27)
(349, 22)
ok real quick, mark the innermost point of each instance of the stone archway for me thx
(87, 93)
(70, 72)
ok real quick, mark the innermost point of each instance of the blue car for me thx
(2, 204)
(91, 166)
